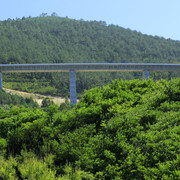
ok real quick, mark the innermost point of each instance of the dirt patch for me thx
(36, 97)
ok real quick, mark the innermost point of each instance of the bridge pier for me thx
(1, 82)
(146, 74)
(72, 80)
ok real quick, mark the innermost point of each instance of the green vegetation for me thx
(125, 130)
(8, 99)
(62, 40)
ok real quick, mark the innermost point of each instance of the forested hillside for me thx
(57, 40)
(125, 130)
(63, 40)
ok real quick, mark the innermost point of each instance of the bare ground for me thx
(36, 97)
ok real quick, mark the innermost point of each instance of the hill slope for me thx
(7, 99)
(58, 40)
(55, 39)
(36, 97)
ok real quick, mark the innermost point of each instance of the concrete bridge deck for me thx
(89, 67)
(86, 67)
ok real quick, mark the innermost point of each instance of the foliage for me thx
(7, 170)
(125, 130)
(75, 173)
(8, 99)
(33, 168)
(46, 102)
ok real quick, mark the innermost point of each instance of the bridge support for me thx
(1, 82)
(146, 74)
(73, 95)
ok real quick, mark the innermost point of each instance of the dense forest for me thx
(62, 40)
(124, 130)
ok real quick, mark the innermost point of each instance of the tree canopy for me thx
(125, 130)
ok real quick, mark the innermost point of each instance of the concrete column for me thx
(72, 79)
(146, 74)
(1, 82)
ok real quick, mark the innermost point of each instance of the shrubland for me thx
(124, 130)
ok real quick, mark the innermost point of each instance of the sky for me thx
(152, 17)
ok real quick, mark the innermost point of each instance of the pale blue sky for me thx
(152, 17)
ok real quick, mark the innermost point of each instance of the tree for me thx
(54, 14)
(43, 15)
(46, 102)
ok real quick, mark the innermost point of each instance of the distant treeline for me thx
(61, 40)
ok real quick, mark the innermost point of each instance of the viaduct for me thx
(145, 68)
